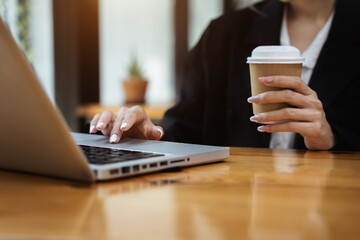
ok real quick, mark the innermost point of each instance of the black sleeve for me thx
(183, 122)
(343, 118)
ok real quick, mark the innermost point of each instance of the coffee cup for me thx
(272, 61)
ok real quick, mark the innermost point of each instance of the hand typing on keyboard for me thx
(128, 122)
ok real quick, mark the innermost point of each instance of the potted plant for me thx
(135, 84)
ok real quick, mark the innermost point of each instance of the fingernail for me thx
(92, 127)
(255, 118)
(124, 125)
(113, 138)
(100, 125)
(267, 80)
(161, 132)
(254, 99)
(263, 128)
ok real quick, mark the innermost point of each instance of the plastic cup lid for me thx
(275, 54)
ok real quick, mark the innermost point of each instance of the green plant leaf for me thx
(134, 69)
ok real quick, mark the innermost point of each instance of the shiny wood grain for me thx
(255, 194)
(88, 111)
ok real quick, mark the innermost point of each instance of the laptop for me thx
(34, 137)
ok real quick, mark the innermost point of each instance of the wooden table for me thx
(255, 194)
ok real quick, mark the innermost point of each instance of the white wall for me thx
(41, 32)
(143, 27)
(201, 12)
(246, 3)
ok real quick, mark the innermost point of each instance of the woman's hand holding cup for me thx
(305, 114)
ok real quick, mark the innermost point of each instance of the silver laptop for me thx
(35, 139)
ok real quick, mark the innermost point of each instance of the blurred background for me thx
(81, 49)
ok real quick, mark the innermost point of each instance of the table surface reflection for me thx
(255, 194)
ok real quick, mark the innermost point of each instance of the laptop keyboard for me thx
(98, 155)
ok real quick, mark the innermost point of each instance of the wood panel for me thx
(229, 6)
(76, 55)
(181, 30)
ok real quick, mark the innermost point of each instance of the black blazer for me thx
(213, 107)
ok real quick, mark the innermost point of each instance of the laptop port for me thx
(163, 163)
(114, 171)
(125, 170)
(136, 168)
(153, 165)
(177, 161)
(144, 166)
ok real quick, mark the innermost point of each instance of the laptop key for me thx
(98, 155)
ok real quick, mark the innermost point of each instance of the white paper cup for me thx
(272, 61)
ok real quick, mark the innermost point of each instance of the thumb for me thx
(157, 133)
